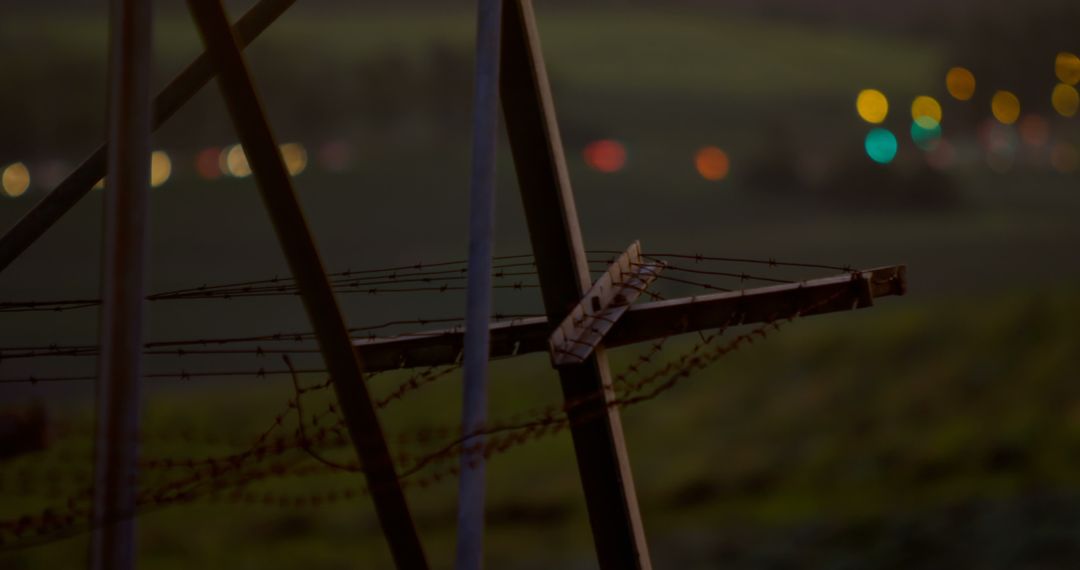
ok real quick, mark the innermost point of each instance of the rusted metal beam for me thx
(123, 284)
(563, 272)
(342, 362)
(179, 91)
(649, 321)
(603, 304)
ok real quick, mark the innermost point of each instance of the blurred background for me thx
(940, 429)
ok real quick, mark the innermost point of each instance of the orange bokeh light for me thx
(605, 155)
(712, 163)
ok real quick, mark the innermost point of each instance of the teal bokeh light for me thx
(926, 133)
(881, 146)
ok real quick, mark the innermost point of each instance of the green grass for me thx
(843, 418)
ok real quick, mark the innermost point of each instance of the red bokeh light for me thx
(605, 155)
(335, 156)
(206, 163)
(1034, 131)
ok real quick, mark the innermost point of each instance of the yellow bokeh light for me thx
(223, 160)
(160, 168)
(1065, 99)
(15, 180)
(1067, 67)
(960, 82)
(295, 157)
(926, 108)
(234, 162)
(872, 106)
(1006, 107)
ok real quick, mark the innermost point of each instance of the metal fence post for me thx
(123, 275)
(564, 277)
(470, 530)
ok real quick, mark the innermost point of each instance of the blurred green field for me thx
(649, 72)
(845, 420)
(708, 51)
(664, 80)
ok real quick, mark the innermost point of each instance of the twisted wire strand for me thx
(226, 478)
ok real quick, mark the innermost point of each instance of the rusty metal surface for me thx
(306, 267)
(564, 276)
(578, 335)
(646, 321)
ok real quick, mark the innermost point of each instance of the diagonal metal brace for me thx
(302, 256)
(608, 299)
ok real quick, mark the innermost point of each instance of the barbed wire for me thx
(368, 281)
(182, 347)
(274, 454)
(374, 281)
(771, 262)
(626, 390)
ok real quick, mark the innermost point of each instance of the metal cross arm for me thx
(648, 321)
(584, 328)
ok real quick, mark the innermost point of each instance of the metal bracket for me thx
(608, 299)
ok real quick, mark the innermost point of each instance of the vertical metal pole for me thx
(470, 518)
(307, 269)
(123, 274)
(563, 271)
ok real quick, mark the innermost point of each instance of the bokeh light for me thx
(605, 155)
(960, 82)
(160, 168)
(942, 156)
(925, 132)
(1064, 158)
(234, 162)
(335, 156)
(1001, 144)
(1067, 68)
(926, 108)
(15, 179)
(1034, 130)
(1006, 107)
(1065, 99)
(295, 157)
(881, 146)
(712, 163)
(208, 163)
(872, 106)
(997, 138)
